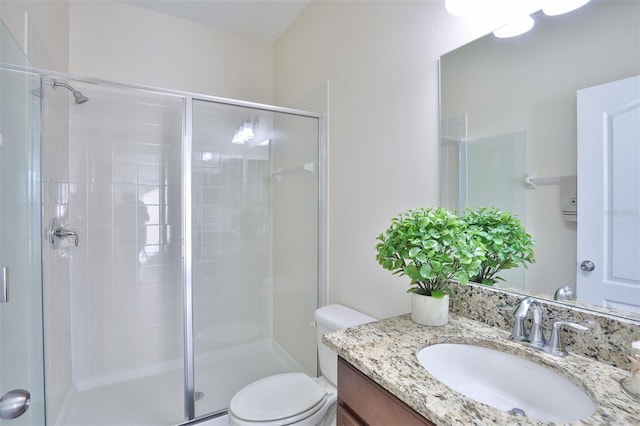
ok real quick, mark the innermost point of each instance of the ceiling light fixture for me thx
(460, 7)
(563, 6)
(500, 11)
(515, 28)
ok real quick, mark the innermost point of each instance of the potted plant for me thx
(432, 248)
(505, 239)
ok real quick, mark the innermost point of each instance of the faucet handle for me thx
(556, 343)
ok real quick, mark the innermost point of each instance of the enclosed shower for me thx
(179, 247)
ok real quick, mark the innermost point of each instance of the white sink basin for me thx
(506, 382)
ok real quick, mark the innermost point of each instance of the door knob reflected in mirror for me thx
(587, 266)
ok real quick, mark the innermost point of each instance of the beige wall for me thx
(380, 58)
(118, 42)
(41, 28)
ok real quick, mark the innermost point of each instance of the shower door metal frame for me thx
(187, 284)
(186, 144)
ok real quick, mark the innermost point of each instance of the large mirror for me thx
(521, 92)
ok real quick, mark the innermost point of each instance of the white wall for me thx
(124, 43)
(381, 60)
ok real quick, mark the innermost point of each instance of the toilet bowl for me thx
(296, 398)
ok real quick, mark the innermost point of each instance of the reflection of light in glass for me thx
(265, 142)
(206, 156)
(244, 133)
(149, 236)
(147, 253)
(247, 131)
(237, 137)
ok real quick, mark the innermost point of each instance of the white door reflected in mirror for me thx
(609, 194)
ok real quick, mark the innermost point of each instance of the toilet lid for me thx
(277, 397)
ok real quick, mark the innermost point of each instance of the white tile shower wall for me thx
(124, 200)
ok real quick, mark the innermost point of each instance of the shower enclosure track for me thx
(178, 93)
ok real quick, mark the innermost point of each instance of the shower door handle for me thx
(4, 284)
(14, 404)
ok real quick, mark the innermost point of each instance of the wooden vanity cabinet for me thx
(362, 402)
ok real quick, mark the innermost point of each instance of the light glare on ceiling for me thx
(515, 28)
(563, 6)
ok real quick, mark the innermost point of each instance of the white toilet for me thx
(295, 398)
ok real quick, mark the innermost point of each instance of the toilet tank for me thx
(331, 318)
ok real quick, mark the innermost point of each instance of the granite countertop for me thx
(386, 351)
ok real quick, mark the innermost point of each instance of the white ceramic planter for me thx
(427, 310)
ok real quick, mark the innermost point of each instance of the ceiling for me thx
(263, 19)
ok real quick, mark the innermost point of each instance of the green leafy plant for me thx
(506, 241)
(432, 248)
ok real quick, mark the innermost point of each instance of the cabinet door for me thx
(371, 402)
(344, 417)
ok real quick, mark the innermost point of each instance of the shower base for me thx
(155, 396)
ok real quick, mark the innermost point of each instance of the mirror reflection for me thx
(509, 131)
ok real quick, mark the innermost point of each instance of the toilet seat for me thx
(280, 400)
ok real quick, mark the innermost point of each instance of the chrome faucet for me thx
(535, 335)
(555, 345)
(556, 342)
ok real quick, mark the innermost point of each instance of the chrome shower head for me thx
(78, 96)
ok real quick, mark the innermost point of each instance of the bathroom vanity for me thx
(379, 375)
(361, 401)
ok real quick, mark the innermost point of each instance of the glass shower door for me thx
(254, 247)
(21, 344)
